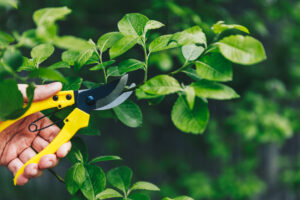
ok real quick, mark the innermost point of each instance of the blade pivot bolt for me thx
(69, 97)
(90, 101)
(55, 97)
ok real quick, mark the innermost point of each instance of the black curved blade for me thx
(88, 100)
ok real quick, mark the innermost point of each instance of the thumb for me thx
(41, 92)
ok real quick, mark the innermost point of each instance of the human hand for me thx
(18, 145)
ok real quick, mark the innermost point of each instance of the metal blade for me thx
(88, 100)
(123, 97)
(114, 94)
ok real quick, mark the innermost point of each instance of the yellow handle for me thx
(65, 98)
(76, 120)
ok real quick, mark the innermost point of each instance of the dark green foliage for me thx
(183, 63)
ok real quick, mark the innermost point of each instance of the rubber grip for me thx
(64, 99)
(76, 120)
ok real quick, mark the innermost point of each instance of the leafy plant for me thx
(206, 63)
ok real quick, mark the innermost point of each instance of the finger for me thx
(22, 180)
(32, 171)
(27, 154)
(14, 166)
(64, 150)
(49, 133)
(48, 161)
(39, 144)
(41, 91)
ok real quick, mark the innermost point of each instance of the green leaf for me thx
(179, 198)
(219, 27)
(108, 194)
(161, 85)
(243, 50)
(97, 67)
(144, 95)
(213, 90)
(191, 51)
(133, 24)
(84, 56)
(72, 43)
(73, 83)
(183, 198)
(50, 15)
(27, 65)
(28, 38)
(94, 59)
(162, 43)
(214, 67)
(120, 178)
(13, 3)
(11, 98)
(129, 113)
(94, 183)
(113, 71)
(130, 65)
(70, 56)
(48, 74)
(47, 33)
(123, 45)
(59, 65)
(13, 58)
(107, 40)
(139, 196)
(193, 35)
(141, 185)
(152, 24)
(104, 158)
(192, 74)
(19, 112)
(41, 52)
(103, 65)
(190, 96)
(5, 39)
(79, 152)
(75, 177)
(187, 120)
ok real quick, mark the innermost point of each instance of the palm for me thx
(18, 145)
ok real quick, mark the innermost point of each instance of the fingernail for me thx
(56, 85)
(51, 163)
(34, 171)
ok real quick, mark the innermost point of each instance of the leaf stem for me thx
(101, 62)
(146, 61)
(186, 63)
(58, 177)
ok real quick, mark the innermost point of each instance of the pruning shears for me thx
(100, 98)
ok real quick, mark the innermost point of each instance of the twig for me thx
(58, 177)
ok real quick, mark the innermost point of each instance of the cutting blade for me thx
(123, 97)
(102, 96)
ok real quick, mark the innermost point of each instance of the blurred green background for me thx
(251, 147)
